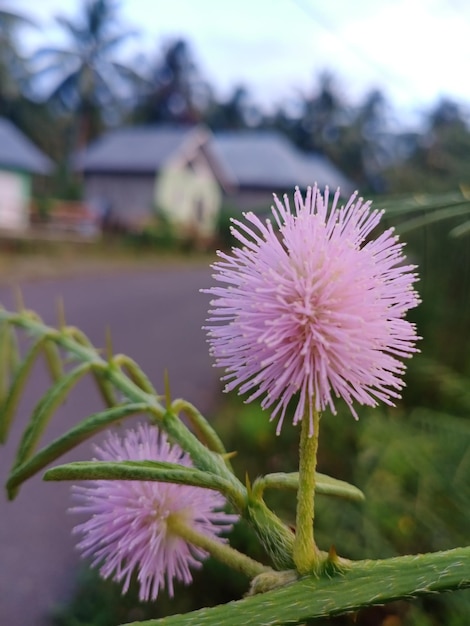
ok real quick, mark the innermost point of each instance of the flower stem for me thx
(221, 551)
(306, 555)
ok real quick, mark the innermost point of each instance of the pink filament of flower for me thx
(316, 309)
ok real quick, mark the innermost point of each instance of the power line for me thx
(383, 71)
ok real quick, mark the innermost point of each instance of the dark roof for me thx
(256, 159)
(267, 159)
(18, 152)
(137, 149)
(315, 168)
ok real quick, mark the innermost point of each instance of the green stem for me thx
(221, 551)
(276, 537)
(135, 373)
(306, 556)
(204, 431)
(203, 458)
(365, 584)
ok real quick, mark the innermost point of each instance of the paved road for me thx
(155, 317)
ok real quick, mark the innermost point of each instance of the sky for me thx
(414, 50)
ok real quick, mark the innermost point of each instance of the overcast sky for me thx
(415, 50)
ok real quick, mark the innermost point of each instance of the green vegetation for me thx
(29, 260)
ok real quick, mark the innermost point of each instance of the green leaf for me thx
(366, 583)
(138, 470)
(53, 360)
(461, 229)
(105, 388)
(418, 203)
(324, 485)
(9, 359)
(44, 410)
(431, 218)
(135, 373)
(329, 486)
(14, 356)
(204, 431)
(4, 349)
(9, 406)
(86, 429)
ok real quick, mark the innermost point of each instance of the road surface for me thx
(155, 317)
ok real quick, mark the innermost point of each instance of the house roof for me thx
(137, 149)
(267, 159)
(314, 168)
(18, 152)
(256, 159)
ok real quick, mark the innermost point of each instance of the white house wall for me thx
(190, 198)
(14, 200)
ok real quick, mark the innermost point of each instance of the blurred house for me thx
(19, 160)
(133, 171)
(260, 163)
(188, 174)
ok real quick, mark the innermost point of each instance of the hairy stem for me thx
(366, 583)
(306, 556)
(220, 551)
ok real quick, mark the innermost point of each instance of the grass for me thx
(31, 261)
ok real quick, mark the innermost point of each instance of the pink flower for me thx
(315, 311)
(128, 528)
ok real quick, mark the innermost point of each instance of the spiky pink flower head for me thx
(128, 527)
(315, 311)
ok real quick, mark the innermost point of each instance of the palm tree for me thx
(173, 90)
(322, 114)
(235, 113)
(87, 78)
(14, 74)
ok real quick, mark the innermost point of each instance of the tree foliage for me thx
(86, 76)
(90, 88)
(173, 89)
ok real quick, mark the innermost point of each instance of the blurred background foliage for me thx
(64, 97)
(412, 462)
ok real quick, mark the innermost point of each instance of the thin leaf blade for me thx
(138, 470)
(80, 433)
(10, 403)
(324, 485)
(44, 410)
